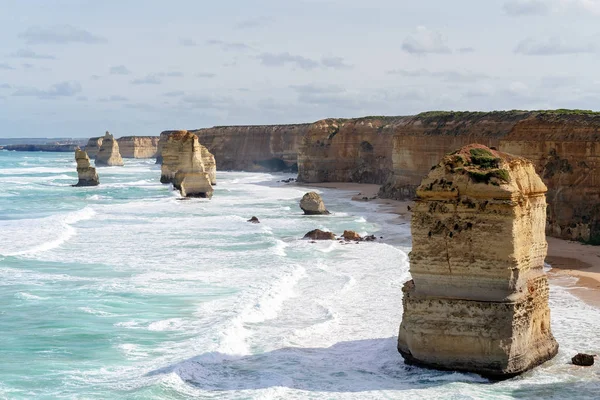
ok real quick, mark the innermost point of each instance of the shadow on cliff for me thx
(351, 366)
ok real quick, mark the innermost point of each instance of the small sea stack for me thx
(87, 174)
(108, 154)
(183, 165)
(175, 147)
(312, 204)
(478, 300)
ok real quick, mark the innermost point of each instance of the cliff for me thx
(109, 154)
(175, 153)
(478, 300)
(41, 147)
(92, 146)
(138, 146)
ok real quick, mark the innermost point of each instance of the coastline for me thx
(575, 266)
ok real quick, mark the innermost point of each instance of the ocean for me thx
(122, 291)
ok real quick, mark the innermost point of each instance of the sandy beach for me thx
(575, 266)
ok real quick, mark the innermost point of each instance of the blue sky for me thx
(133, 67)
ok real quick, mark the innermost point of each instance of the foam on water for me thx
(121, 291)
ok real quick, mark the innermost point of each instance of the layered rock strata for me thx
(138, 146)
(478, 300)
(312, 204)
(183, 165)
(175, 147)
(93, 145)
(109, 154)
(86, 173)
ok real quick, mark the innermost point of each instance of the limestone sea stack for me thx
(92, 146)
(87, 174)
(184, 167)
(312, 204)
(173, 145)
(109, 155)
(478, 300)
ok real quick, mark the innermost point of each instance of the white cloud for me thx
(59, 34)
(554, 46)
(63, 89)
(26, 53)
(425, 41)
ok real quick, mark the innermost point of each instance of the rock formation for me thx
(312, 204)
(254, 220)
(317, 234)
(478, 300)
(138, 146)
(183, 165)
(351, 235)
(92, 146)
(175, 147)
(109, 155)
(582, 359)
(87, 174)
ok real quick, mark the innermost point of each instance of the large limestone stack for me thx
(478, 300)
(183, 165)
(92, 146)
(87, 174)
(175, 146)
(109, 155)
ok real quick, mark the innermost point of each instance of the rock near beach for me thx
(312, 204)
(108, 154)
(478, 300)
(318, 234)
(87, 174)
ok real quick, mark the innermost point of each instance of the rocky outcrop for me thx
(138, 146)
(254, 220)
(184, 167)
(582, 359)
(317, 234)
(478, 300)
(351, 235)
(109, 154)
(312, 204)
(87, 174)
(175, 147)
(93, 146)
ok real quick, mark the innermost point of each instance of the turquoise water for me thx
(123, 291)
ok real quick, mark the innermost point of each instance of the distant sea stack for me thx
(138, 146)
(109, 155)
(183, 165)
(87, 174)
(478, 300)
(92, 146)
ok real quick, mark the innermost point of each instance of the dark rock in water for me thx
(254, 220)
(289, 180)
(318, 234)
(369, 238)
(351, 235)
(582, 359)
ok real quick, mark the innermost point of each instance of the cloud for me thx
(527, 7)
(173, 74)
(5, 66)
(425, 41)
(148, 80)
(255, 22)
(449, 76)
(175, 93)
(113, 98)
(207, 102)
(465, 50)
(317, 89)
(554, 46)
(187, 42)
(95, 77)
(335, 63)
(281, 59)
(81, 98)
(59, 34)
(141, 106)
(5, 86)
(26, 53)
(119, 70)
(27, 66)
(228, 46)
(205, 75)
(63, 89)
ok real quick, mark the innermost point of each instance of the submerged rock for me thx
(585, 360)
(478, 300)
(87, 174)
(254, 220)
(312, 204)
(108, 154)
(318, 234)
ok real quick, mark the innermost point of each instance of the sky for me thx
(76, 68)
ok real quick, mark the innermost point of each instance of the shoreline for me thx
(575, 266)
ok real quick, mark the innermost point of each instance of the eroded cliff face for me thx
(138, 146)
(347, 150)
(478, 300)
(254, 148)
(108, 155)
(180, 149)
(92, 146)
